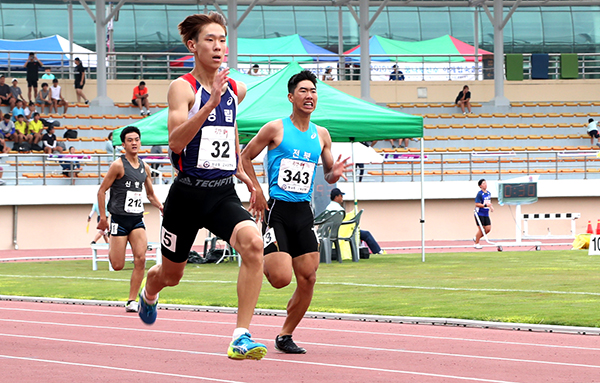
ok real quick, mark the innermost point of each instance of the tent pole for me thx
(476, 42)
(353, 178)
(422, 204)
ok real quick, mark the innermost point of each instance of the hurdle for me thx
(104, 258)
(549, 216)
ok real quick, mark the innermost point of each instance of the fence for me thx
(39, 169)
(161, 65)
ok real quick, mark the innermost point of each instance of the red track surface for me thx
(51, 343)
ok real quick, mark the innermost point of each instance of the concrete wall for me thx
(55, 216)
(386, 91)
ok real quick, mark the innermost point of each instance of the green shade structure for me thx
(347, 118)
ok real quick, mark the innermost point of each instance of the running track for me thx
(51, 343)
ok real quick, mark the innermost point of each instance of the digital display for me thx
(520, 193)
(528, 189)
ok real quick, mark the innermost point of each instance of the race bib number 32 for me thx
(217, 148)
(295, 176)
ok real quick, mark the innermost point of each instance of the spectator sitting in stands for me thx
(254, 70)
(49, 142)
(57, 98)
(464, 99)
(327, 76)
(71, 167)
(43, 98)
(592, 131)
(396, 74)
(3, 147)
(18, 110)
(7, 128)
(48, 74)
(140, 98)
(29, 111)
(6, 97)
(16, 91)
(21, 133)
(337, 199)
(36, 128)
(109, 145)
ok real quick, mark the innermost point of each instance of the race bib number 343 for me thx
(295, 176)
(217, 148)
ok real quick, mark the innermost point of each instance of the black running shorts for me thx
(122, 225)
(292, 225)
(485, 221)
(213, 205)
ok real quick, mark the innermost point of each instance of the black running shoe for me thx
(287, 345)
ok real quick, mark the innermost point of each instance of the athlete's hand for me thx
(217, 88)
(340, 167)
(258, 207)
(103, 224)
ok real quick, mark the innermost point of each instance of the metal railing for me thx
(161, 65)
(397, 167)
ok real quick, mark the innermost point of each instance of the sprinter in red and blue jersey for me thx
(204, 148)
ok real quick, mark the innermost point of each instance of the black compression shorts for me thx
(292, 225)
(485, 221)
(198, 204)
(122, 225)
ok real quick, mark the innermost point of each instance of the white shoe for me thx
(478, 246)
(131, 307)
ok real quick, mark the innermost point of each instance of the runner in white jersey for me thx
(124, 180)
(204, 148)
(290, 243)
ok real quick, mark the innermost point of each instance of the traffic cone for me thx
(589, 228)
(598, 227)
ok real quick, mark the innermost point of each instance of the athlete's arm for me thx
(333, 170)
(180, 98)
(266, 135)
(115, 171)
(150, 190)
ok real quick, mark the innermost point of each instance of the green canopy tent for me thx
(347, 118)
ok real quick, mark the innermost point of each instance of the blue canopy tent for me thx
(14, 53)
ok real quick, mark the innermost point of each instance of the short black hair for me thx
(255, 66)
(298, 77)
(44, 84)
(480, 181)
(6, 115)
(129, 129)
(142, 83)
(35, 114)
(591, 120)
(53, 81)
(31, 54)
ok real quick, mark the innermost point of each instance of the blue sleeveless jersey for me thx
(222, 118)
(293, 180)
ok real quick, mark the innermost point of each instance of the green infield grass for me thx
(544, 287)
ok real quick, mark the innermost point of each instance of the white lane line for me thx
(401, 351)
(343, 366)
(228, 323)
(406, 287)
(120, 369)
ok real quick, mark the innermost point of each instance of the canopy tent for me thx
(19, 51)
(287, 45)
(347, 118)
(440, 67)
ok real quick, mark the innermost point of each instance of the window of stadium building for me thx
(153, 27)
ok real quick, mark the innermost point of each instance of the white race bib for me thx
(133, 202)
(295, 175)
(269, 237)
(217, 148)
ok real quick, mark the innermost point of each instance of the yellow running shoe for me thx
(245, 348)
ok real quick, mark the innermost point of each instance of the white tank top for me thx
(55, 92)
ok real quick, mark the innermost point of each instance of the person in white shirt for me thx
(57, 98)
(592, 131)
(337, 199)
